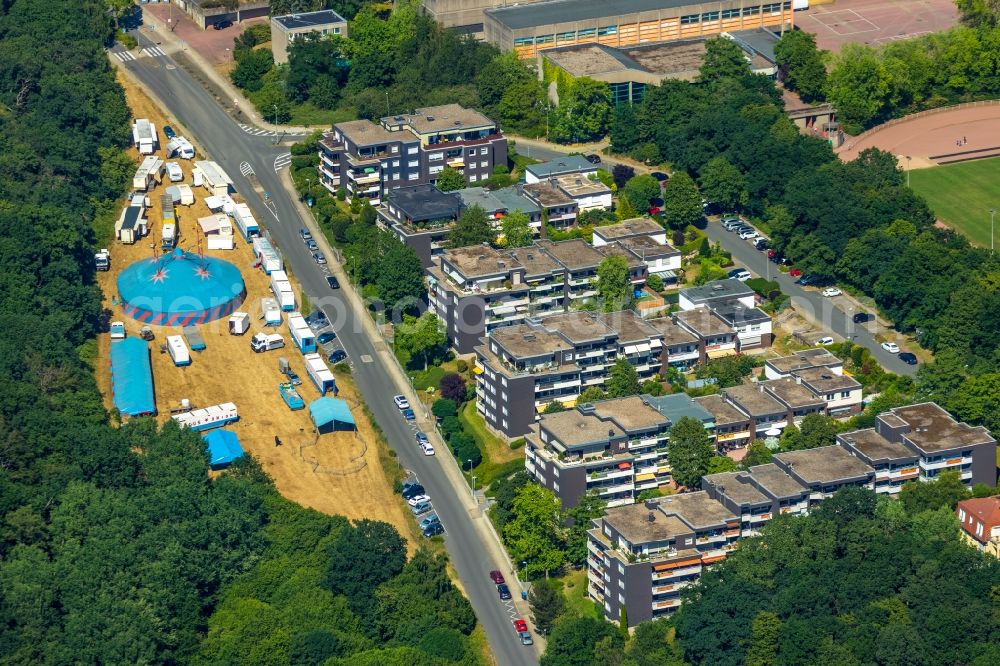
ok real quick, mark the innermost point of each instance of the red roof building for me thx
(980, 519)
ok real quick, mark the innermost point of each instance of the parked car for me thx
(293, 378)
(420, 509)
(305, 235)
(409, 415)
(433, 530)
(908, 358)
(862, 317)
(222, 24)
(822, 342)
(806, 280)
(830, 292)
(890, 347)
(316, 319)
(325, 337)
(311, 245)
(520, 625)
(319, 258)
(593, 159)
(418, 499)
(412, 490)
(526, 638)
(169, 132)
(748, 234)
(762, 243)
(337, 355)
(333, 282)
(503, 591)
(794, 272)
(401, 401)
(730, 223)
(497, 577)
(660, 176)
(427, 448)
(427, 521)
(421, 437)
(740, 274)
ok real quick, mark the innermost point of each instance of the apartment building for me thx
(980, 520)
(522, 368)
(716, 293)
(613, 448)
(368, 159)
(716, 338)
(920, 442)
(682, 349)
(421, 217)
(557, 207)
(822, 373)
(646, 239)
(568, 165)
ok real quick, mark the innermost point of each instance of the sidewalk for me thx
(231, 99)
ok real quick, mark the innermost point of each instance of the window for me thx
(435, 156)
(413, 176)
(751, 11)
(435, 169)
(543, 39)
(710, 16)
(845, 394)
(484, 151)
(484, 164)
(524, 41)
(730, 13)
(607, 30)
(412, 150)
(413, 164)
(563, 36)
(690, 18)
(394, 149)
(336, 31)
(395, 163)
(555, 486)
(473, 178)
(586, 33)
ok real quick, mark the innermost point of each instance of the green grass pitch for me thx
(961, 195)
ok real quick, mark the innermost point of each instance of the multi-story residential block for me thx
(825, 470)
(587, 193)
(522, 368)
(682, 349)
(646, 239)
(734, 429)
(715, 294)
(980, 520)
(934, 437)
(818, 357)
(369, 159)
(765, 411)
(286, 29)
(716, 338)
(752, 326)
(757, 495)
(636, 227)
(557, 207)
(421, 216)
(569, 165)
(822, 373)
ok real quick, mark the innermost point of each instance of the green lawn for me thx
(578, 604)
(962, 195)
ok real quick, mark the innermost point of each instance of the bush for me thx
(453, 388)
(655, 282)
(443, 408)
(126, 40)
(450, 426)
(517, 444)
(462, 365)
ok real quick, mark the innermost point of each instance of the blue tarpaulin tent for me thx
(223, 448)
(330, 414)
(132, 377)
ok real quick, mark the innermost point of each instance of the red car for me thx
(497, 577)
(520, 625)
(795, 272)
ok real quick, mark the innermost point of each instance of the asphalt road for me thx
(232, 147)
(833, 314)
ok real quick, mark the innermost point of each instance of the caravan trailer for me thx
(270, 312)
(320, 374)
(245, 222)
(215, 416)
(302, 335)
(144, 136)
(268, 257)
(178, 350)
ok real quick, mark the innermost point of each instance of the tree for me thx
(453, 388)
(860, 86)
(763, 648)
(721, 465)
(723, 59)
(623, 380)
(533, 534)
(624, 131)
(574, 641)
(757, 454)
(682, 202)
(554, 407)
(589, 508)
(547, 604)
(817, 430)
(689, 450)
(356, 577)
(625, 210)
(654, 282)
(500, 75)
(472, 228)
(946, 490)
(312, 648)
(614, 284)
(622, 173)
(724, 185)
(421, 338)
(443, 408)
(979, 13)
(251, 68)
(516, 229)
(521, 108)
(450, 180)
(640, 191)
(399, 274)
(801, 64)
(592, 394)
(585, 114)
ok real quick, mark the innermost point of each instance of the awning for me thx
(719, 353)
(509, 309)
(643, 348)
(211, 223)
(624, 465)
(645, 477)
(476, 370)
(631, 349)
(666, 275)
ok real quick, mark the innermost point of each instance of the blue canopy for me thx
(329, 414)
(223, 448)
(132, 377)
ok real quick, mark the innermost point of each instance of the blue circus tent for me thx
(223, 448)
(331, 414)
(132, 377)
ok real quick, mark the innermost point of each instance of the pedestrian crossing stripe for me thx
(281, 161)
(123, 56)
(153, 51)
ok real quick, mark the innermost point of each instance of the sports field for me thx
(961, 195)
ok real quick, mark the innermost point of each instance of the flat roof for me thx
(617, 250)
(477, 260)
(679, 59)
(479, 196)
(636, 226)
(776, 481)
(514, 200)
(425, 202)
(631, 414)
(722, 412)
(639, 524)
(589, 59)
(753, 400)
(676, 406)
(933, 429)
(825, 380)
(547, 194)
(523, 341)
(737, 314)
(535, 261)
(630, 326)
(574, 428)
(578, 185)
(578, 327)
(367, 133)
(444, 118)
(568, 11)
(647, 248)
(874, 446)
(737, 487)
(696, 509)
(309, 19)
(717, 290)
(759, 40)
(703, 322)
(562, 165)
(672, 333)
(793, 394)
(575, 254)
(807, 358)
(825, 464)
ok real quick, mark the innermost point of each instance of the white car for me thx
(890, 347)
(401, 401)
(822, 342)
(427, 448)
(832, 291)
(413, 501)
(747, 235)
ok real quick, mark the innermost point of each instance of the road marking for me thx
(365, 358)
(246, 169)
(281, 161)
(123, 56)
(152, 51)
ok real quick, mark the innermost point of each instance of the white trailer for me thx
(174, 172)
(132, 223)
(276, 278)
(302, 335)
(239, 323)
(180, 147)
(178, 350)
(218, 232)
(144, 136)
(320, 374)
(285, 296)
(149, 173)
(216, 180)
(168, 241)
(268, 257)
(215, 416)
(246, 222)
(270, 312)
(187, 196)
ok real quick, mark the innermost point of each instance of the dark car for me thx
(660, 176)
(497, 577)
(503, 591)
(421, 437)
(813, 280)
(412, 491)
(908, 358)
(222, 24)
(333, 282)
(433, 530)
(169, 132)
(293, 378)
(337, 355)
(593, 159)
(762, 244)
(325, 337)
(409, 415)
(862, 317)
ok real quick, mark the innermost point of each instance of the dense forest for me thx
(115, 546)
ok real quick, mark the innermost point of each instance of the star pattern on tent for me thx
(159, 276)
(202, 272)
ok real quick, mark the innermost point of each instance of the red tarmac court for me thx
(875, 22)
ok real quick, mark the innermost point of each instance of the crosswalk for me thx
(246, 169)
(257, 131)
(146, 51)
(123, 56)
(152, 51)
(281, 161)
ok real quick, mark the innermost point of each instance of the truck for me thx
(149, 173)
(246, 222)
(320, 374)
(268, 257)
(262, 342)
(239, 323)
(144, 136)
(302, 335)
(291, 396)
(174, 172)
(178, 350)
(132, 223)
(102, 260)
(215, 416)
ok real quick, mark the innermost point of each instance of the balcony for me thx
(364, 178)
(620, 488)
(613, 473)
(941, 464)
(456, 162)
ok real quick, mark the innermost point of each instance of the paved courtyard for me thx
(875, 22)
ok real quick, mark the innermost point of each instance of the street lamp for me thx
(993, 213)
(474, 487)
(524, 572)
(275, 114)
(908, 158)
